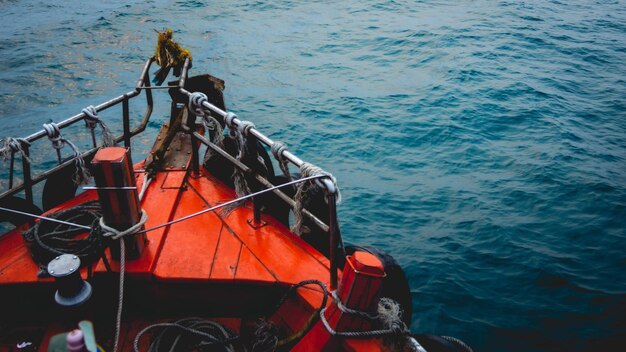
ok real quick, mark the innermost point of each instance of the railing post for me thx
(126, 118)
(28, 186)
(333, 238)
(117, 191)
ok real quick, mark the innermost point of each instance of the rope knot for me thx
(91, 116)
(245, 127)
(229, 119)
(92, 120)
(301, 197)
(196, 101)
(117, 234)
(54, 134)
(11, 146)
(277, 150)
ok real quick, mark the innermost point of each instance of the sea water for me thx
(482, 143)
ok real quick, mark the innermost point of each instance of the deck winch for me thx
(72, 289)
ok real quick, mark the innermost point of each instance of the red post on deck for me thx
(112, 169)
(359, 289)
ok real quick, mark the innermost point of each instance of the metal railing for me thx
(332, 228)
(144, 84)
(27, 185)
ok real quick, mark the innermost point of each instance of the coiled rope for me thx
(48, 240)
(10, 146)
(92, 120)
(209, 333)
(301, 197)
(81, 176)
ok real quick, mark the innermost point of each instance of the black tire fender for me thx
(59, 187)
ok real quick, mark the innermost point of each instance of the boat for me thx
(237, 249)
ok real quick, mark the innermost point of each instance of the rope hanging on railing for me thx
(81, 176)
(239, 134)
(10, 146)
(196, 101)
(277, 150)
(92, 120)
(301, 198)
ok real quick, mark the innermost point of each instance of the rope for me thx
(389, 313)
(207, 329)
(229, 120)
(239, 134)
(266, 333)
(458, 342)
(301, 197)
(117, 234)
(196, 105)
(92, 120)
(81, 176)
(49, 239)
(11, 145)
(347, 310)
(277, 150)
(147, 180)
(120, 302)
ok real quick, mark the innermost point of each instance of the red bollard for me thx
(113, 172)
(359, 289)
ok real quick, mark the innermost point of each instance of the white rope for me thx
(307, 169)
(10, 146)
(278, 148)
(118, 235)
(196, 105)
(120, 302)
(81, 176)
(147, 180)
(92, 119)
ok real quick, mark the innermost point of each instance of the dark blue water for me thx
(482, 143)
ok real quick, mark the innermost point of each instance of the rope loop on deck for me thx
(116, 234)
(81, 176)
(277, 150)
(92, 120)
(10, 146)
